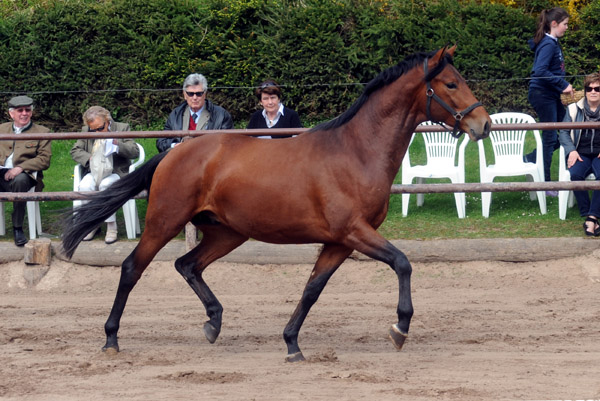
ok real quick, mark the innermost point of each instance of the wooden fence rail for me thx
(270, 131)
(396, 189)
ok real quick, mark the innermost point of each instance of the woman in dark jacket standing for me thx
(547, 80)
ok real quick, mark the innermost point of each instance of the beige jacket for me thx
(29, 154)
(128, 149)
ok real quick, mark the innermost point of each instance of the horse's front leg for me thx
(401, 265)
(329, 260)
(372, 244)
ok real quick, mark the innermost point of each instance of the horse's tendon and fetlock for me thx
(372, 244)
(330, 258)
(403, 269)
(128, 280)
(216, 242)
(214, 310)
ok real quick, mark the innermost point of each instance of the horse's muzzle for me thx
(480, 132)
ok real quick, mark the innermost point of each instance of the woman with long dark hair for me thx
(548, 80)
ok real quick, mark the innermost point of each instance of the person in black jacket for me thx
(274, 114)
(196, 113)
(582, 151)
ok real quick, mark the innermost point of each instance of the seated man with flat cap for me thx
(22, 161)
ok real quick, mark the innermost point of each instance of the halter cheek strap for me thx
(458, 115)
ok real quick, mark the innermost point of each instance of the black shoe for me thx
(530, 158)
(20, 238)
(595, 230)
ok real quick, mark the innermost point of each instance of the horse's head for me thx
(449, 99)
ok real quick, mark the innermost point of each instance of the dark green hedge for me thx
(123, 54)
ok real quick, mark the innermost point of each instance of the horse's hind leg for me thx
(131, 271)
(329, 260)
(217, 241)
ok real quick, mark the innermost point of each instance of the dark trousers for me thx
(21, 183)
(549, 110)
(578, 172)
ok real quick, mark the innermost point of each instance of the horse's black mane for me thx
(385, 78)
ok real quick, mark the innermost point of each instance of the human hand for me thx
(12, 173)
(573, 158)
(569, 91)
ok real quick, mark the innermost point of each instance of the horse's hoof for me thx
(397, 337)
(210, 332)
(297, 357)
(111, 350)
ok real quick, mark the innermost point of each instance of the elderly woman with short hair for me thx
(274, 114)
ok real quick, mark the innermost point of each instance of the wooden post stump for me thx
(191, 237)
(38, 252)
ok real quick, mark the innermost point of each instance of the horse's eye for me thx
(451, 85)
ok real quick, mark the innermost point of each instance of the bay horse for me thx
(328, 185)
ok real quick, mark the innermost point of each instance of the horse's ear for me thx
(442, 53)
(451, 50)
(439, 55)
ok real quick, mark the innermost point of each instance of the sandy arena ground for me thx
(481, 331)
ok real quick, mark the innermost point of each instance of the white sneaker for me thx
(91, 235)
(111, 236)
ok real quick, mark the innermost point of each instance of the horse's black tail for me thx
(82, 220)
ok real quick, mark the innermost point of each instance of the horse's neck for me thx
(380, 132)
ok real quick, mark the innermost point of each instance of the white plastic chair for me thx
(132, 220)
(441, 162)
(33, 216)
(508, 147)
(565, 198)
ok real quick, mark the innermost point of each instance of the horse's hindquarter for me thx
(280, 190)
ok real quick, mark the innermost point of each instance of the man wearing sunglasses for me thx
(196, 113)
(582, 150)
(22, 161)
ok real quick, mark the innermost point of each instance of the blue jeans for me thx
(579, 171)
(549, 110)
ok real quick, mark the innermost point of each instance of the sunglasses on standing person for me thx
(191, 94)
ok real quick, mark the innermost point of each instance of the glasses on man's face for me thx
(24, 110)
(192, 94)
(595, 89)
(97, 129)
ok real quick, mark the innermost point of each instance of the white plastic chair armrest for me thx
(140, 159)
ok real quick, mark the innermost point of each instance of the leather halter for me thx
(458, 115)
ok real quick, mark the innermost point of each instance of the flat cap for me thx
(20, 101)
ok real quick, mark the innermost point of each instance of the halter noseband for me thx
(458, 115)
